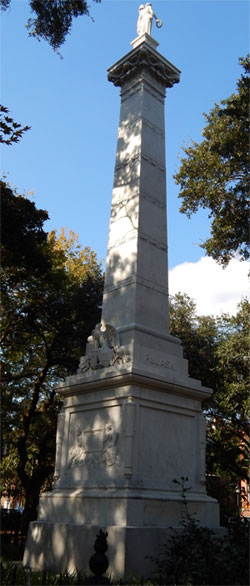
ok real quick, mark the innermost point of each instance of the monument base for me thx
(126, 438)
(62, 546)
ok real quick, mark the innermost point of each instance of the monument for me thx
(132, 416)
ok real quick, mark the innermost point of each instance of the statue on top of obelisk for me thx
(145, 19)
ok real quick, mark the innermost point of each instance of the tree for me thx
(229, 408)
(23, 239)
(49, 309)
(10, 131)
(217, 351)
(214, 174)
(199, 336)
(53, 18)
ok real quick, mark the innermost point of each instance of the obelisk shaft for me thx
(136, 284)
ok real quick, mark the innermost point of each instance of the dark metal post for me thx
(99, 562)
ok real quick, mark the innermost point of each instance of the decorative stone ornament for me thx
(145, 19)
(143, 58)
(105, 452)
(103, 349)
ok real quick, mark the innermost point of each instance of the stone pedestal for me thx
(131, 421)
(125, 439)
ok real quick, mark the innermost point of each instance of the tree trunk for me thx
(32, 493)
(33, 488)
(32, 484)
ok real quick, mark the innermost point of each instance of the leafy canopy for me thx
(217, 349)
(24, 249)
(53, 18)
(51, 300)
(10, 131)
(215, 174)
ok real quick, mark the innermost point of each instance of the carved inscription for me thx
(162, 363)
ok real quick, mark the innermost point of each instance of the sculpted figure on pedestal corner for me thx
(145, 19)
(106, 349)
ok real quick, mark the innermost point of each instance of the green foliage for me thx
(53, 18)
(217, 351)
(10, 131)
(22, 250)
(229, 408)
(214, 174)
(51, 299)
(195, 556)
(17, 574)
(199, 336)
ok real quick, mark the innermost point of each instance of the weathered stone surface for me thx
(123, 446)
(130, 431)
(132, 417)
(63, 546)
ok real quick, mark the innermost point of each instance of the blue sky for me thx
(67, 158)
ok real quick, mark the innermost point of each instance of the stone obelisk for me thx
(132, 420)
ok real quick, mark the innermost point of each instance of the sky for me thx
(66, 161)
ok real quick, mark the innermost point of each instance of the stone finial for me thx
(99, 562)
(145, 19)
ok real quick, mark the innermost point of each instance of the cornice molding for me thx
(144, 58)
(131, 378)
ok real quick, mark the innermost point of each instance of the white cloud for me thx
(215, 290)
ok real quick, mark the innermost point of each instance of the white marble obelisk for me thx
(131, 421)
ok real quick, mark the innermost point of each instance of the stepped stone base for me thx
(118, 450)
(65, 546)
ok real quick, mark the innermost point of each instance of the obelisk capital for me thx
(144, 57)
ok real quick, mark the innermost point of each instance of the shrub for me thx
(195, 556)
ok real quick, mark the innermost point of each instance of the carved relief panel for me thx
(94, 445)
